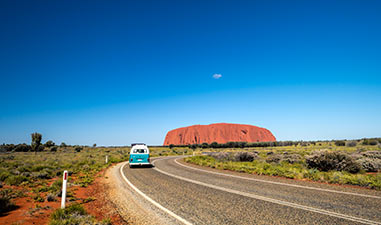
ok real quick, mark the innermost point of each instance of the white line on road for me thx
(151, 200)
(280, 202)
(279, 183)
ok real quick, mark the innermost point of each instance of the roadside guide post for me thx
(63, 199)
(106, 159)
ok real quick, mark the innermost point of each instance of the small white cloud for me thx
(217, 76)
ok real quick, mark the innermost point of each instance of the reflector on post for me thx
(64, 182)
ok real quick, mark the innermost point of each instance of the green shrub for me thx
(372, 154)
(15, 179)
(245, 156)
(340, 143)
(38, 198)
(72, 214)
(351, 143)
(5, 202)
(370, 142)
(326, 161)
(291, 158)
(222, 156)
(274, 158)
(55, 187)
(4, 175)
(89, 199)
(51, 198)
(49, 144)
(22, 148)
(370, 164)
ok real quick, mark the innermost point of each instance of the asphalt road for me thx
(198, 195)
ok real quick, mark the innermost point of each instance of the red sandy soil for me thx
(218, 132)
(28, 213)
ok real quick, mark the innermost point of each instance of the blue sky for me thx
(117, 72)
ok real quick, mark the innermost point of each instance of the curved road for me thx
(191, 194)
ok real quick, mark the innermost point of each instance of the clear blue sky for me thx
(117, 72)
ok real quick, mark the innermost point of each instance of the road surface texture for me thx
(174, 192)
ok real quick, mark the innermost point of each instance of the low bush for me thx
(372, 154)
(55, 187)
(245, 156)
(370, 164)
(51, 197)
(89, 199)
(326, 161)
(222, 156)
(351, 143)
(74, 214)
(291, 158)
(274, 158)
(15, 179)
(38, 198)
(340, 143)
(370, 142)
(4, 175)
(6, 203)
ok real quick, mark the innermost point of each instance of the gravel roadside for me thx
(131, 206)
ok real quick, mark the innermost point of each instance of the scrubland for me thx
(343, 162)
(37, 176)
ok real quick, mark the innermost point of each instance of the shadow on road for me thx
(142, 167)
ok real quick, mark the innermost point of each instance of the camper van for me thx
(139, 155)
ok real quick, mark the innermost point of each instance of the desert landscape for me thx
(190, 112)
(31, 175)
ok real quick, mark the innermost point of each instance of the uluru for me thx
(218, 132)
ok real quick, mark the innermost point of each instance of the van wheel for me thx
(130, 165)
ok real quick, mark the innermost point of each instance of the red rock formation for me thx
(218, 132)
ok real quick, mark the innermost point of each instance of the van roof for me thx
(133, 144)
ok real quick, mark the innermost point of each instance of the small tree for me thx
(94, 145)
(171, 146)
(214, 145)
(49, 144)
(340, 143)
(204, 145)
(194, 146)
(63, 144)
(36, 141)
(78, 148)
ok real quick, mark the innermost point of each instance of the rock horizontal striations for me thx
(218, 132)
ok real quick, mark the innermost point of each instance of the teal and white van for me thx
(139, 155)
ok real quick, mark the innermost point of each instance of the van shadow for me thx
(142, 167)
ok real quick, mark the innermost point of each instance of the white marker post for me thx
(63, 199)
(106, 159)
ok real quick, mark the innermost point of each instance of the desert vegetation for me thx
(34, 172)
(354, 162)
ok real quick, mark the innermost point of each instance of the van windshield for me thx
(139, 151)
